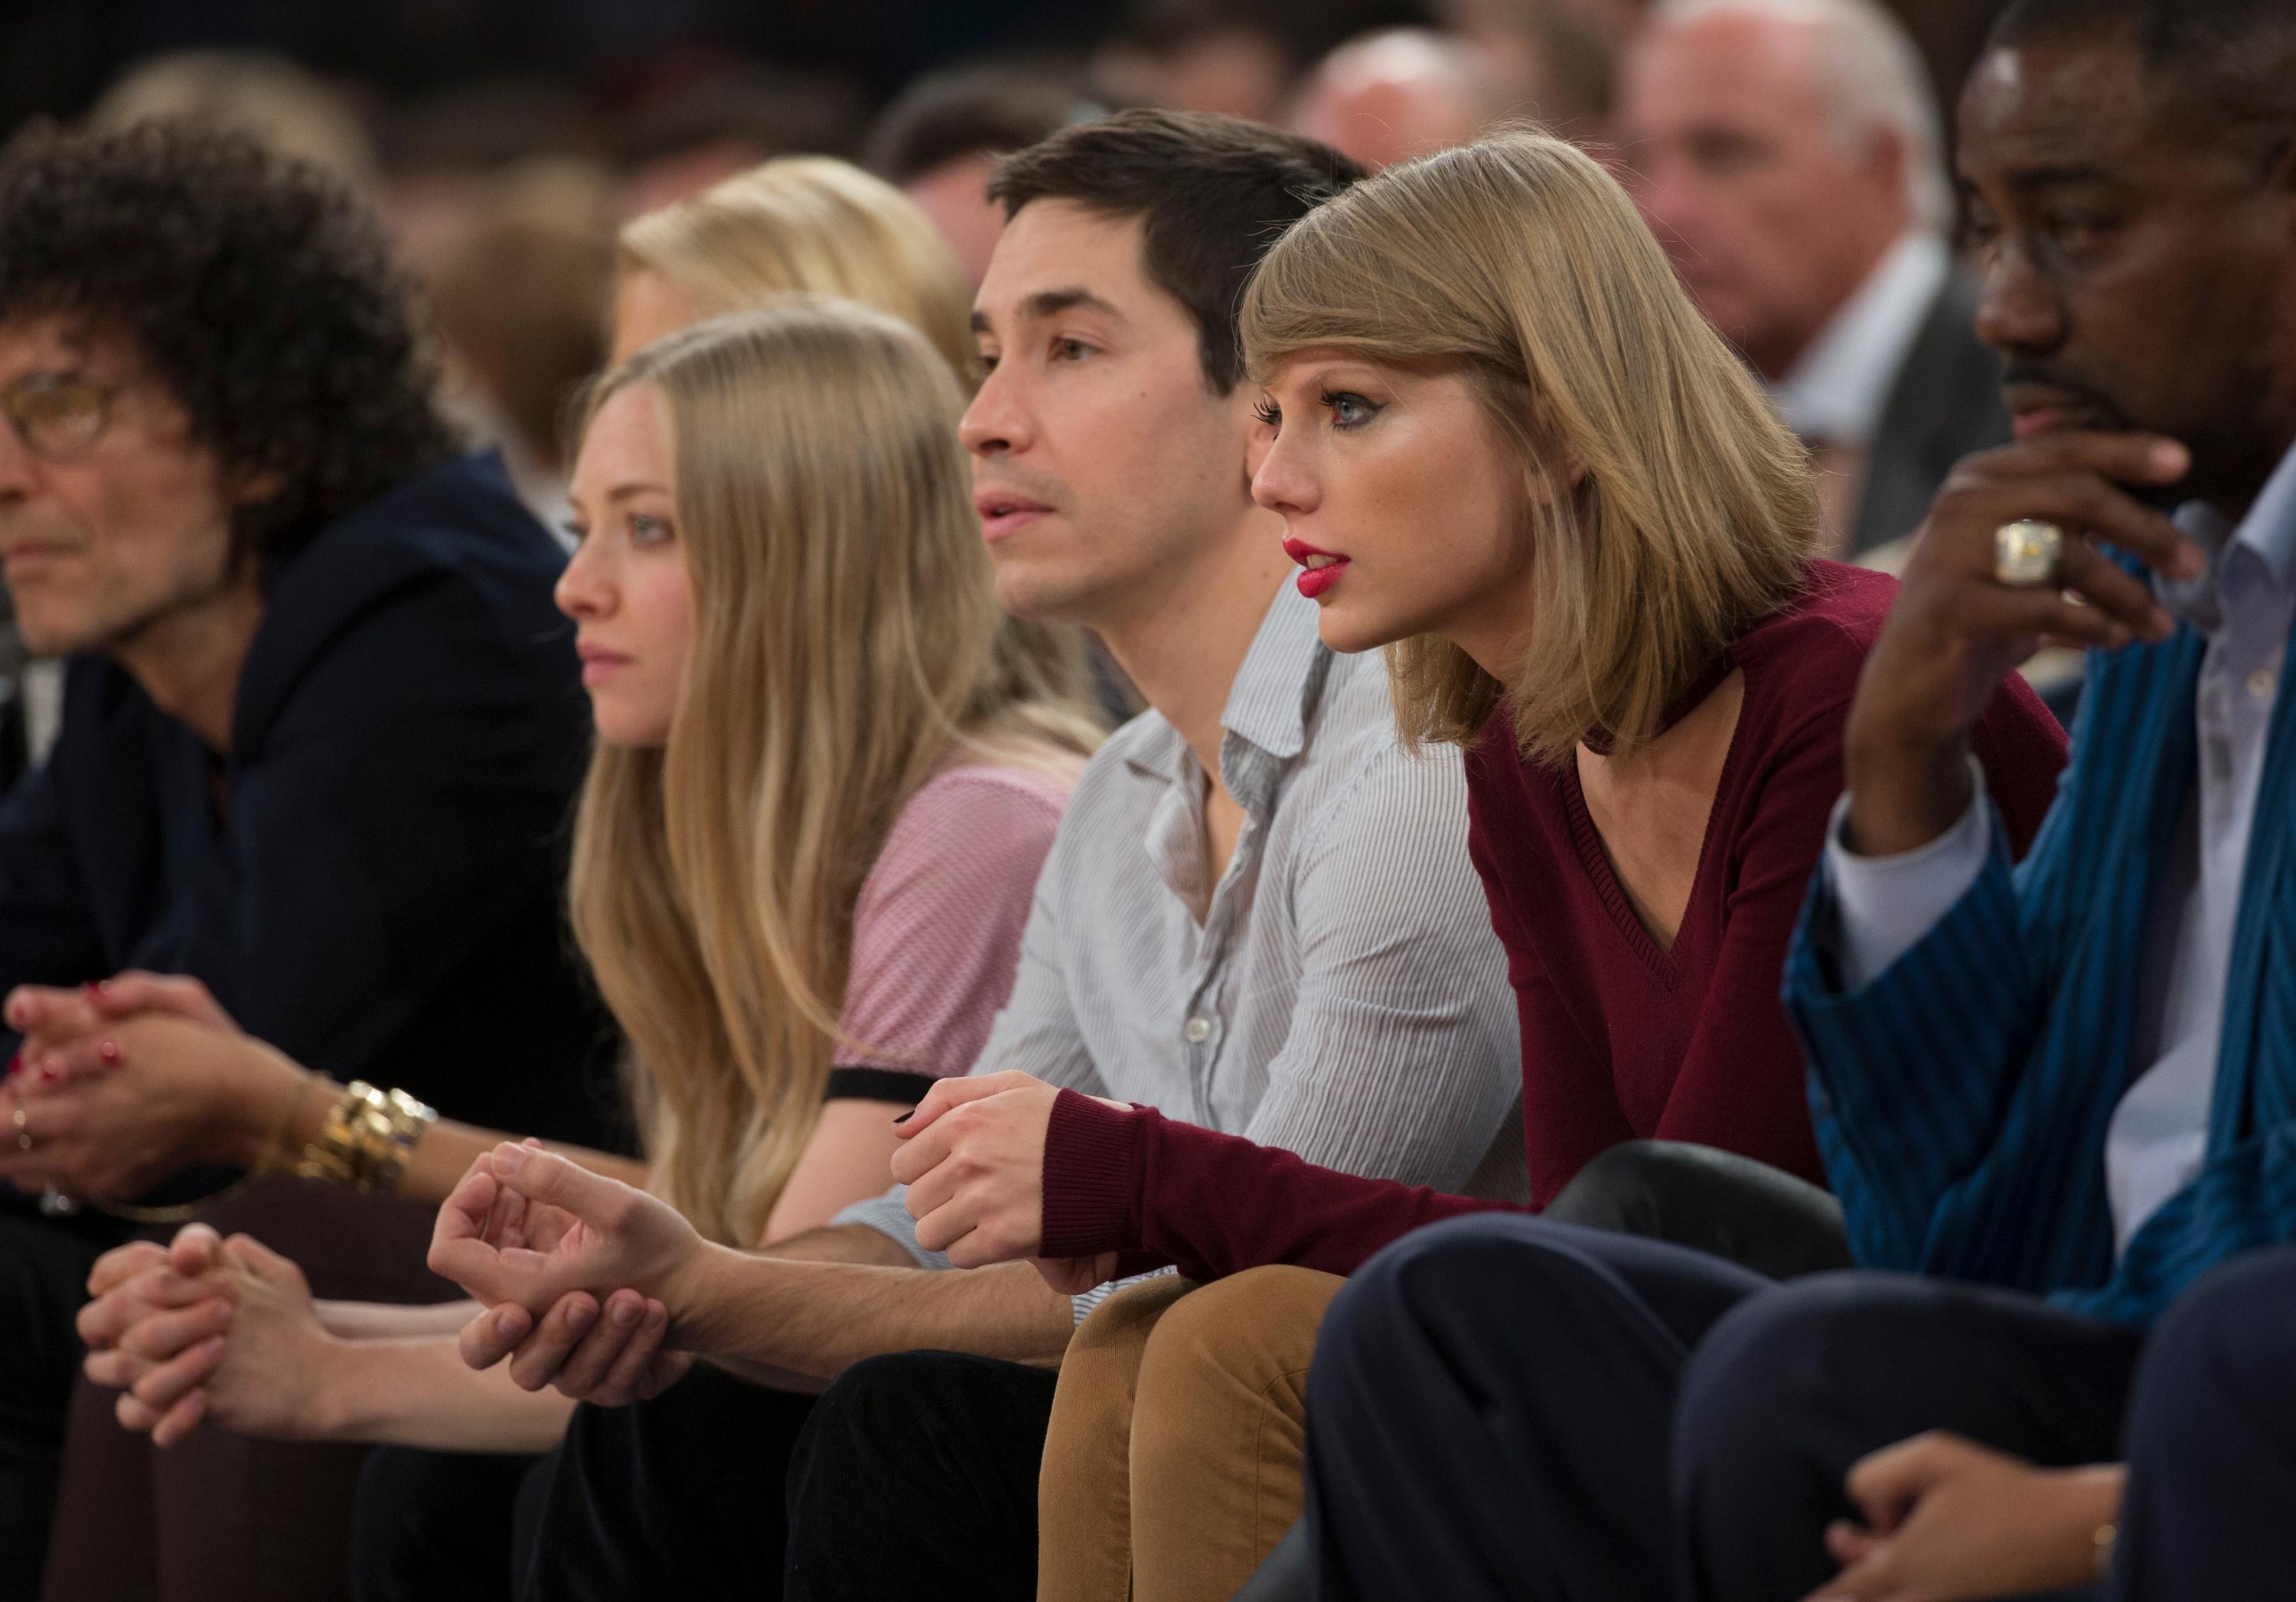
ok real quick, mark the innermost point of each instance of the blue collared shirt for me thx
(2244, 605)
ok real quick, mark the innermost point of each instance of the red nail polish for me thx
(48, 1074)
(14, 1063)
(107, 1052)
(91, 988)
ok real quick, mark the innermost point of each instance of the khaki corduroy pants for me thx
(1174, 1461)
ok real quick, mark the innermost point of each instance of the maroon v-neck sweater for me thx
(1620, 1038)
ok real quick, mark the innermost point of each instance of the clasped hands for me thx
(120, 1084)
(543, 1244)
(582, 1280)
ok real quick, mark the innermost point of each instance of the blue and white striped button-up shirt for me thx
(1340, 994)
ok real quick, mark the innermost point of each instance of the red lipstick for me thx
(1323, 567)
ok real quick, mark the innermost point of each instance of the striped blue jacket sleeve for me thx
(1963, 1098)
(1909, 1074)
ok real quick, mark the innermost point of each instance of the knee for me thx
(2218, 1355)
(1113, 1334)
(876, 1397)
(1434, 1278)
(1251, 1328)
(1782, 1358)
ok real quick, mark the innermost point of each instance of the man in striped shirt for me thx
(1259, 915)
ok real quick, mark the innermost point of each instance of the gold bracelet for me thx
(365, 1139)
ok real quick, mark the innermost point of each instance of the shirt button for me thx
(1198, 1030)
(2260, 683)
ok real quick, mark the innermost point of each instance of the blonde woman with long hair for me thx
(1508, 451)
(801, 862)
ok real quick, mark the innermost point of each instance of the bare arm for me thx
(419, 1393)
(809, 1320)
(391, 1321)
(803, 1316)
(154, 1075)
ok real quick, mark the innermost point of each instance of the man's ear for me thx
(253, 487)
(1888, 158)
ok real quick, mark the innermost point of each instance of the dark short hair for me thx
(254, 288)
(2234, 61)
(971, 112)
(1212, 193)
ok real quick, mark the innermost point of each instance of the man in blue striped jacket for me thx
(2049, 1095)
(2073, 1081)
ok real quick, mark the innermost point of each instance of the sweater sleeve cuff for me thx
(1094, 1155)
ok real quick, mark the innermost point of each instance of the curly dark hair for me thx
(255, 288)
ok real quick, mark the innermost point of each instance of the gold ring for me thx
(2027, 554)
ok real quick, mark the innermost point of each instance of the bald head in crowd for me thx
(1782, 147)
(1387, 97)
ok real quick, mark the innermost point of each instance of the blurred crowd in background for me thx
(505, 143)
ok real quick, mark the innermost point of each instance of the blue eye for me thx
(1349, 409)
(649, 531)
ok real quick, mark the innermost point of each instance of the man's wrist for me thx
(2091, 1498)
(696, 1294)
(1904, 794)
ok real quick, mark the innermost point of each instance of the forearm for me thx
(812, 1319)
(1905, 790)
(280, 1109)
(1158, 1191)
(843, 1242)
(446, 1150)
(381, 1320)
(418, 1391)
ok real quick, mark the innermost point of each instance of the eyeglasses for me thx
(58, 415)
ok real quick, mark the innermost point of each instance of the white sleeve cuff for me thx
(1083, 1305)
(889, 1215)
(1888, 904)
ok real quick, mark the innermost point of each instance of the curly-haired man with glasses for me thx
(320, 726)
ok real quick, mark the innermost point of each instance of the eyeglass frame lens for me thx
(69, 432)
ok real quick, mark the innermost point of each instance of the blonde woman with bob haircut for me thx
(1508, 450)
(817, 225)
(794, 224)
(801, 863)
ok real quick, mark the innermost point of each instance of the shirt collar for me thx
(1274, 694)
(1281, 678)
(2268, 532)
(1840, 388)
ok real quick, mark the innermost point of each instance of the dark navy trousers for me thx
(1507, 1406)
(2210, 1510)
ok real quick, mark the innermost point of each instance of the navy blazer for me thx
(379, 894)
(1963, 1096)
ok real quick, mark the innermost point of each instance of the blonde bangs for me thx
(1695, 514)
